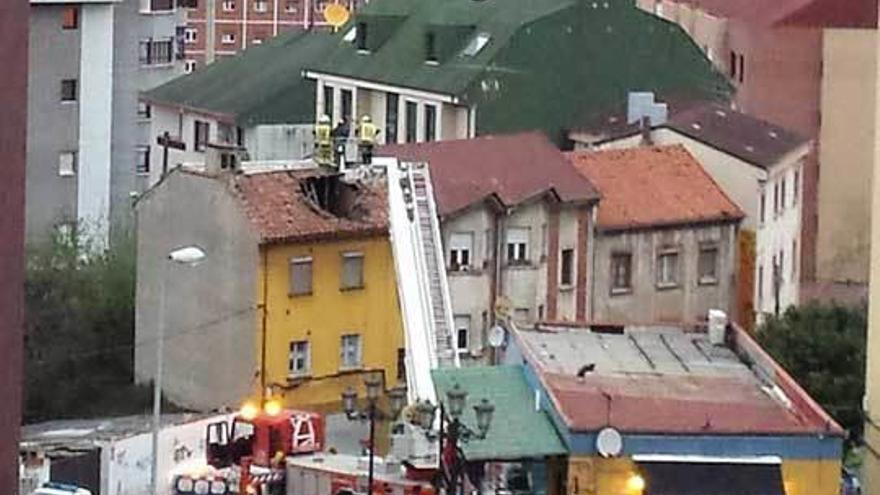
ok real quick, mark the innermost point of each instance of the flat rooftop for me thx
(661, 379)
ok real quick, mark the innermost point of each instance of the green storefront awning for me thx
(518, 431)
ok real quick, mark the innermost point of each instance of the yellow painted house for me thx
(297, 294)
(328, 283)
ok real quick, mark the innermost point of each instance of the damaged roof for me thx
(652, 187)
(295, 205)
(663, 380)
(510, 168)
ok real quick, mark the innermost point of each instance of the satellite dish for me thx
(496, 336)
(609, 443)
(336, 14)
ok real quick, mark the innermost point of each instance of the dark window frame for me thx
(567, 268)
(69, 90)
(621, 284)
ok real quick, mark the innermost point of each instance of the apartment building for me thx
(222, 28)
(516, 224)
(87, 131)
(809, 66)
(427, 71)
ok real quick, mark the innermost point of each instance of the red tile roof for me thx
(652, 187)
(673, 404)
(279, 210)
(513, 168)
(803, 13)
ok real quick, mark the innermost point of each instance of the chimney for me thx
(645, 128)
(220, 158)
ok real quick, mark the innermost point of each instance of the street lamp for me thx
(396, 402)
(189, 256)
(454, 431)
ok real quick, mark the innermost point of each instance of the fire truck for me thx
(247, 454)
(277, 451)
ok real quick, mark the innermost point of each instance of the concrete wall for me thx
(53, 125)
(689, 301)
(179, 125)
(211, 312)
(14, 101)
(531, 289)
(849, 87)
(778, 239)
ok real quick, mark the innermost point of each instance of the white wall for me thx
(95, 117)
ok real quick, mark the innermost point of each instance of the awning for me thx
(716, 477)
(518, 430)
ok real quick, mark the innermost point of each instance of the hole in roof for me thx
(350, 35)
(476, 44)
(696, 126)
(720, 113)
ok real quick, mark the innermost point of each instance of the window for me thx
(202, 129)
(781, 267)
(461, 245)
(346, 101)
(361, 36)
(742, 68)
(430, 123)
(260, 6)
(621, 272)
(144, 110)
(391, 102)
(290, 7)
(462, 332)
(161, 5)
(68, 90)
(707, 265)
(476, 44)
(300, 282)
(401, 364)
(142, 160)
(298, 359)
(763, 207)
(517, 245)
(760, 285)
(775, 199)
(352, 271)
(154, 52)
(566, 279)
(795, 187)
(67, 163)
(228, 5)
(782, 195)
(189, 66)
(794, 257)
(430, 47)
(351, 351)
(191, 35)
(228, 38)
(328, 101)
(732, 68)
(226, 133)
(667, 269)
(412, 110)
(70, 17)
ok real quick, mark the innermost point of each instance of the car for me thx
(849, 483)
(53, 488)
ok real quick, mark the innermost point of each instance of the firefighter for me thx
(340, 137)
(366, 134)
(323, 142)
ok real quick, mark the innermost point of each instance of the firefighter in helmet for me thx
(366, 134)
(323, 142)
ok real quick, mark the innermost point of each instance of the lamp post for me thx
(372, 413)
(453, 431)
(190, 255)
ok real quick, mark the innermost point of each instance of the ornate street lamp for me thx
(372, 413)
(453, 431)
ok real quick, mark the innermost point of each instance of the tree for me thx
(823, 347)
(79, 316)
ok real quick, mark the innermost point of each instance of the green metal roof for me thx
(548, 64)
(262, 85)
(518, 431)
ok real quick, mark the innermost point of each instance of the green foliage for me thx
(79, 314)
(823, 347)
